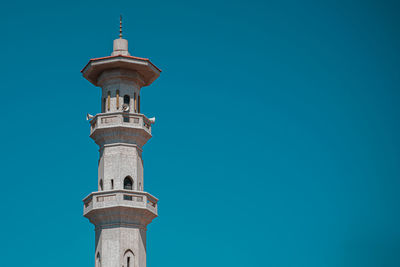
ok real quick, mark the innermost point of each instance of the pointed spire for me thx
(120, 26)
(120, 46)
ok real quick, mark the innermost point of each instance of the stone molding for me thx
(115, 207)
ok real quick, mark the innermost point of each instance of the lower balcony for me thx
(120, 198)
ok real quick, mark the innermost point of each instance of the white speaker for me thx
(89, 117)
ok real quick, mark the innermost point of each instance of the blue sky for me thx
(276, 141)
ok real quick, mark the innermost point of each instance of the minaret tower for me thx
(120, 210)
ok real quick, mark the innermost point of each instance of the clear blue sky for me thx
(276, 141)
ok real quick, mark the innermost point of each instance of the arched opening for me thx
(98, 260)
(101, 184)
(103, 107)
(128, 183)
(129, 259)
(127, 99)
(126, 106)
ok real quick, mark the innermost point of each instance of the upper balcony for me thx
(124, 119)
(120, 198)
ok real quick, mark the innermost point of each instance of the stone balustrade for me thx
(105, 120)
(127, 198)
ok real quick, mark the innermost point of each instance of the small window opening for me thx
(112, 184)
(117, 97)
(135, 102)
(127, 99)
(128, 183)
(98, 260)
(103, 107)
(127, 197)
(129, 259)
(139, 104)
(101, 184)
(108, 100)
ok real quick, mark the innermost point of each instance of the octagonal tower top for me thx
(121, 59)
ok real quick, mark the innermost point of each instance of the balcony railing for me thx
(104, 120)
(112, 198)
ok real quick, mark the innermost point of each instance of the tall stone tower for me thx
(120, 209)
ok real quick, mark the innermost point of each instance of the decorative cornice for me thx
(117, 225)
(121, 144)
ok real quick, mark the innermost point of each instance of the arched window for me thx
(101, 184)
(98, 260)
(129, 259)
(127, 99)
(128, 183)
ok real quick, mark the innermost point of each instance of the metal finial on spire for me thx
(120, 26)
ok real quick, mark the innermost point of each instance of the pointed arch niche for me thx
(98, 260)
(129, 259)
